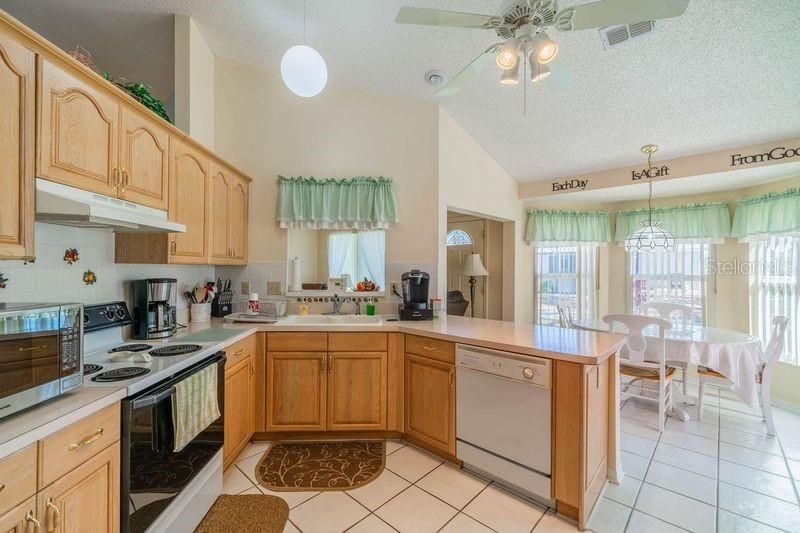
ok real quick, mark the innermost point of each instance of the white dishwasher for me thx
(503, 418)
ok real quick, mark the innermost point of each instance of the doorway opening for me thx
(474, 253)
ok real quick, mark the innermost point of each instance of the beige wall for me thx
(471, 181)
(343, 132)
(730, 301)
(194, 82)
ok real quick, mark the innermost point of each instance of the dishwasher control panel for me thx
(525, 369)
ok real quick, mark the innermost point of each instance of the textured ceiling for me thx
(722, 75)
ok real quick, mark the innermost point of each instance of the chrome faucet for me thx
(357, 305)
(337, 305)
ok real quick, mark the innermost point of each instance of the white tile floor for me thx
(722, 474)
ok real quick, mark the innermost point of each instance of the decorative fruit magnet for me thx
(71, 256)
(3, 280)
(89, 277)
(366, 286)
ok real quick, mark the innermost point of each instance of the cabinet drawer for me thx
(17, 477)
(357, 342)
(240, 351)
(313, 341)
(433, 348)
(61, 452)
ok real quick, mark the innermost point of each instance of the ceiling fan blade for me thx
(470, 71)
(453, 19)
(613, 12)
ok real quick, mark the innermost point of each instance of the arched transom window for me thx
(458, 237)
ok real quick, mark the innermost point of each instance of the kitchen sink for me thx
(331, 320)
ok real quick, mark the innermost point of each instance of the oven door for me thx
(152, 473)
(29, 358)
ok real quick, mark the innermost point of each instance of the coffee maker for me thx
(415, 296)
(154, 308)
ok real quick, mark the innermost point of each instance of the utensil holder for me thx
(222, 304)
(201, 312)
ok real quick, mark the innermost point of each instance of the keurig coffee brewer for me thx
(415, 296)
(154, 308)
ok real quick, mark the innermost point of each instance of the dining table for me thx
(736, 355)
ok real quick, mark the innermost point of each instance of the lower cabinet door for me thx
(86, 500)
(296, 386)
(239, 396)
(430, 398)
(357, 390)
(21, 519)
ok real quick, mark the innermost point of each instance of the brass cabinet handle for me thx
(2, 487)
(450, 377)
(252, 369)
(56, 522)
(330, 364)
(95, 436)
(322, 361)
(173, 247)
(429, 348)
(32, 348)
(116, 178)
(32, 524)
(124, 180)
(240, 351)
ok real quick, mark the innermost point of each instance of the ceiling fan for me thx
(521, 25)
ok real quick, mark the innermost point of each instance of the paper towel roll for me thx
(297, 283)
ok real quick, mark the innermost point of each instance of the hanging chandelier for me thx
(650, 237)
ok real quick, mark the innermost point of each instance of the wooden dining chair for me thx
(763, 374)
(666, 310)
(649, 376)
(564, 316)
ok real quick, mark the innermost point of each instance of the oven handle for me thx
(152, 399)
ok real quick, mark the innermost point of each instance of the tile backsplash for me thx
(51, 279)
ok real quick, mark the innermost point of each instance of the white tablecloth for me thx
(737, 356)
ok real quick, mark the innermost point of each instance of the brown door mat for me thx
(253, 513)
(332, 465)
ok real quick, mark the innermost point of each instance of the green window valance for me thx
(773, 213)
(545, 225)
(710, 221)
(354, 203)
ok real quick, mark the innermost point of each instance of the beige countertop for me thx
(585, 347)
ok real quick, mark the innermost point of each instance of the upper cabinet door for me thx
(77, 137)
(188, 203)
(237, 215)
(17, 115)
(144, 160)
(220, 189)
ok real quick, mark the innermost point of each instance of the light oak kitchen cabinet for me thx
(329, 381)
(17, 149)
(239, 398)
(144, 159)
(78, 134)
(86, 500)
(229, 211)
(188, 205)
(21, 519)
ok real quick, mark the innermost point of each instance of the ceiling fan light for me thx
(304, 71)
(544, 48)
(538, 71)
(510, 76)
(508, 56)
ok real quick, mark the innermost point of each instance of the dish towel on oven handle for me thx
(194, 405)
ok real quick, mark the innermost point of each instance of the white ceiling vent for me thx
(616, 35)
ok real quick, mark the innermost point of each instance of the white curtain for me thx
(775, 290)
(371, 256)
(587, 281)
(341, 248)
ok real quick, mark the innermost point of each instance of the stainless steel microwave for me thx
(41, 353)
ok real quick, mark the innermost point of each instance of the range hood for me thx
(68, 206)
